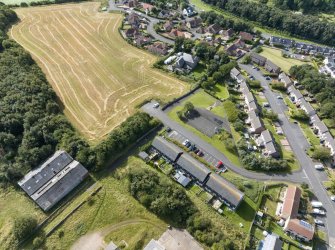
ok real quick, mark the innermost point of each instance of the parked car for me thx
(266, 105)
(196, 151)
(319, 167)
(318, 211)
(156, 105)
(200, 153)
(279, 97)
(168, 129)
(319, 222)
(268, 78)
(186, 142)
(316, 204)
(332, 197)
(219, 164)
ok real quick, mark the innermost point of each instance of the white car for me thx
(279, 97)
(319, 167)
(332, 197)
(156, 105)
(318, 211)
(319, 222)
(186, 142)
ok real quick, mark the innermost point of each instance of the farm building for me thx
(53, 180)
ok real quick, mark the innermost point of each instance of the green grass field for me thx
(275, 56)
(98, 76)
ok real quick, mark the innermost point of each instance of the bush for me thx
(321, 153)
(278, 86)
(300, 115)
(231, 111)
(38, 241)
(254, 84)
(23, 226)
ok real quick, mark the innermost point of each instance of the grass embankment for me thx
(275, 55)
(98, 76)
(203, 100)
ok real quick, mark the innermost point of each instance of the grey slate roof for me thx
(255, 121)
(182, 179)
(53, 180)
(38, 177)
(307, 107)
(193, 167)
(234, 73)
(167, 148)
(296, 93)
(266, 135)
(272, 242)
(322, 128)
(224, 189)
(285, 79)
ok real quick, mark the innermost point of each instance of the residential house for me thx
(133, 19)
(142, 40)
(186, 61)
(245, 36)
(147, 7)
(168, 26)
(240, 43)
(255, 122)
(291, 203)
(319, 126)
(194, 22)
(53, 180)
(285, 79)
(189, 11)
(158, 48)
(132, 33)
(329, 66)
(251, 102)
(132, 3)
(271, 67)
(299, 229)
(234, 73)
(329, 142)
(224, 190)
(295, 94)
(201, 30)
(275, 41)
(244, 88)
(258, 59)
(174, 33)
(304, 105)
(168, 149)
(268, 143)
(271, 242)
(213, 29)
(227, 34)
(232, 50)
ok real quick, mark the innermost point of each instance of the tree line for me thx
(32, 125)
(305, 5)
(304, 26)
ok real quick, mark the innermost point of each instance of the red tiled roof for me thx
(301, 228)
(246, 36)
(291, 202)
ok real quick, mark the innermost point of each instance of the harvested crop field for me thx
(98, 76)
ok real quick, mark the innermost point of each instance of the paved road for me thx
(152, 22)
(299, 146)
(165, 119)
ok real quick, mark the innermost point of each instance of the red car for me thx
(219, 164)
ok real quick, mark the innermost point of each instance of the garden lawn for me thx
(221, 91)
(275, 56)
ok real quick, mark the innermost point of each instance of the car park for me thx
(319, 222)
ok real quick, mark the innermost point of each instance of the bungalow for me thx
(194, 22)
(271, 242)
(142, 40)
(299, 229)
(234, 73)
(285, 79)
(295, 94)
(329, 142)
(168, 26)
(227, 34)
(291, 203)
(307, 107)
(213, 29)
(255, 122)
(281, 41)
(147, 7)
(158, 48)
(189, 11)
(240, 43)
(258, 59)
(224, 190)
(176, 33)
(269, 145)
(244, 88)
(251, 102)
(232, 50)
(133, 19)
(168, 149)
(271, 67)
(245, 36)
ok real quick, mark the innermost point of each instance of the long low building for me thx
(224, 190)
(197, 171)
(53, 180)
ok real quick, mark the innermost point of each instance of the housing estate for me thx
(285, 79)
(191, 168)
(266, 140)
(53, 180)
(329, 66)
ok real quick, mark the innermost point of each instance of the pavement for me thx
(299, 146)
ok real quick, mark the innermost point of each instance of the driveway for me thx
(299, 146)
(152, 22)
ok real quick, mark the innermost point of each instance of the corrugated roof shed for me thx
(167, 148)
(224, 189)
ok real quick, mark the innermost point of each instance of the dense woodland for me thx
(305, 5)
(304, 26)
(320, 85)
(32, 125)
